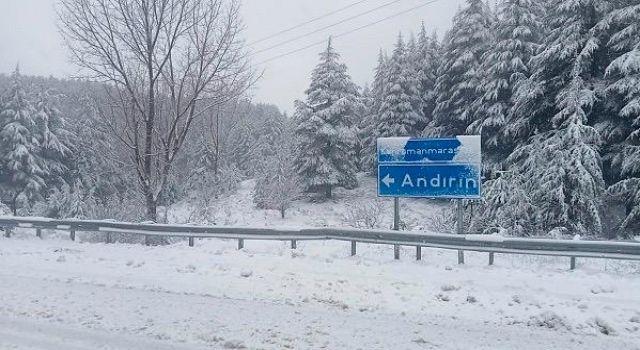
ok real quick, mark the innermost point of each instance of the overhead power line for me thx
(328, 26)
(308, 22)
(350, 31)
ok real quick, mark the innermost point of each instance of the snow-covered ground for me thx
(60, 294)
(57, 294)
(238, 209)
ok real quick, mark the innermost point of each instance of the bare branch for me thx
(160, 59)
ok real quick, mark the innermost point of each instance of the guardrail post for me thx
(107, 237)
(294, 244)
(240, 243)
(459, 227)
(7, 232)
(353, 248)
(146, 239)
(491, 258)
(72, 234)
(191, 241)
(418, 253)
(396, 225)
(460, 257)
(573, 263)
(39, 232)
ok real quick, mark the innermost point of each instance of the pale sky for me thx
(28, 35)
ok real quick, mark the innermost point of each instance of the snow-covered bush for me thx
(228, 179)
(443, 221)
(366, 215)
(627, 191)
(66, 202)
(559, 232)
(551, 320)
(79, 203)
(124, 209)
(449, 288)
(602, 326)
(4, 210)
(206, 187)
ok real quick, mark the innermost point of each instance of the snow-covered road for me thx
(57, 294)
(29, 333)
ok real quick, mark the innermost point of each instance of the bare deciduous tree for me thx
(165, 63)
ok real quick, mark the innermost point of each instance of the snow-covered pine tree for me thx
(579, 160)
(74, 206)
(101, 177)
(21, 175)
(412, 57)
(55, 141)
(326, 129)
(612, 126)
(67, 202)
(373, 101)
(621, 132)
(428, 61)
(518, 33)
(274, 131)
(270, 131)
(279, 185)
(562, 167)
(364, 133)
(561, 163)
(459, 74)
(400, 112)
(380, 76)
(568, 32)
(507, 206)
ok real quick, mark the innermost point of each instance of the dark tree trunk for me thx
(152, 208)
(328, 192)
(217, 148)
(152, 203)
(14, 205)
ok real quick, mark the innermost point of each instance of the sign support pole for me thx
(396, 225)
(460, 227)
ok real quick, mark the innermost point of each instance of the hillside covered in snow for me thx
(358, 208)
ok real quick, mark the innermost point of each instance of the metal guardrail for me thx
(479, 243)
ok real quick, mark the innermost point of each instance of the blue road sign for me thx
(430, 168)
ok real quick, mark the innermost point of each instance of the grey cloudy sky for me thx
(28, 35)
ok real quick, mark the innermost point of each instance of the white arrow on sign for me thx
(388, 180)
